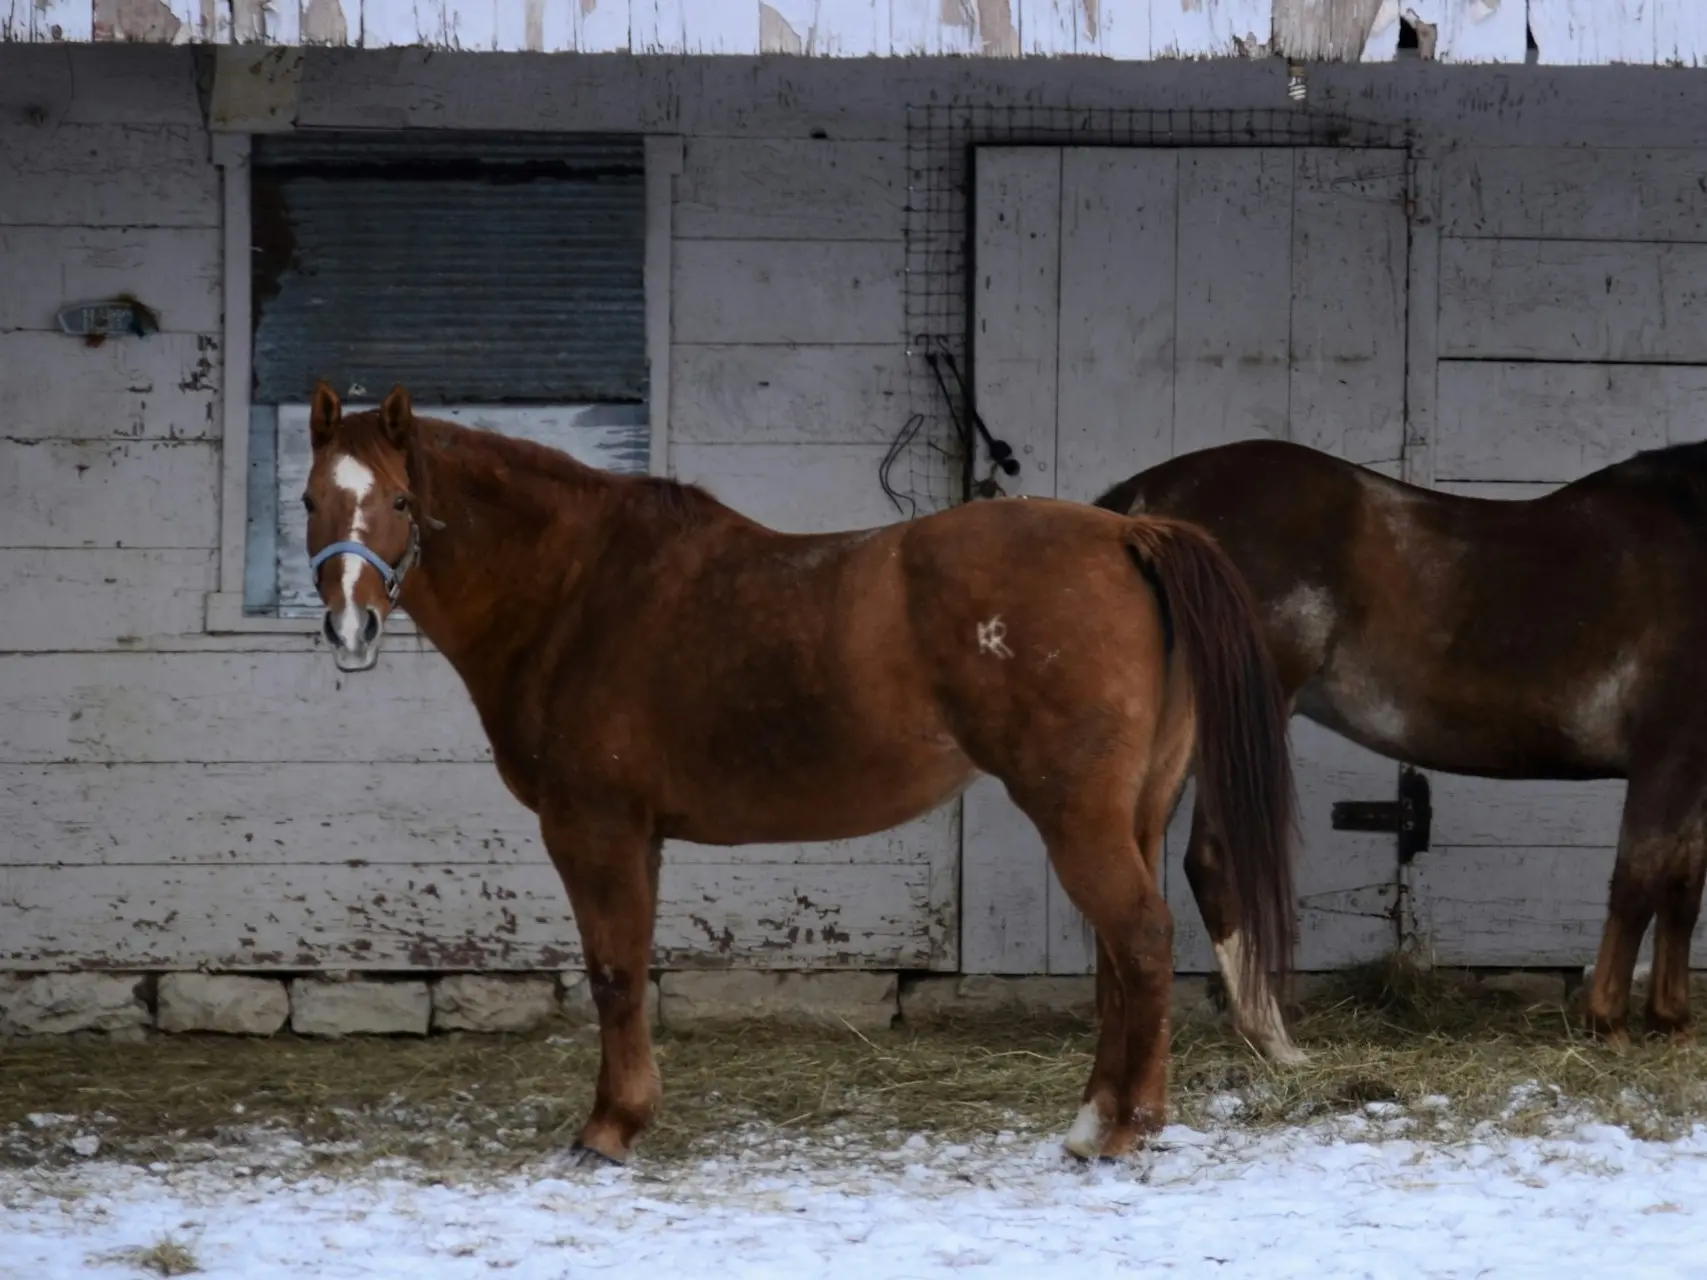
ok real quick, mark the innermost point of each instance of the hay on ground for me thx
(1418, 1042)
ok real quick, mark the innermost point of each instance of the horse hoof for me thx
(1085, 1138)
(584, 1157)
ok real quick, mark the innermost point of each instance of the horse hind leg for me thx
(1657, 873)
(1677, 907)
(1252, 1006)
(1099, 863)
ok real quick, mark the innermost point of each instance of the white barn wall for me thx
(787, 379)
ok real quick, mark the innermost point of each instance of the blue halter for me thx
(392, 577)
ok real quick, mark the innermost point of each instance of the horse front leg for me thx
(610, 869)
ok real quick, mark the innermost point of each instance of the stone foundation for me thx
(124, 1006)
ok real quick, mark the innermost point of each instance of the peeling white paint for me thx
(1569, 32)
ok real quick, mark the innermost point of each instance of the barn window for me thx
(500, 278)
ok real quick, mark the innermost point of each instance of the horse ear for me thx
(396, 416)
(324, 415)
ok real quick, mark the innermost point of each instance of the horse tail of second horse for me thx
(1243, 763)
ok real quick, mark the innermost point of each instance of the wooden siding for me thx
(154, 778)
(101, 645)
(1130, 305)
(1571, 336)
(1570, 32)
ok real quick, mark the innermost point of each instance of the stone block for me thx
(493, 1002)
(322, 1008)
(975, 995)
(1530, 988)
(576, 1000)
(233, 1004)
(60, 1003)
(864, 1001)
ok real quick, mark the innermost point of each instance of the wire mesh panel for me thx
(941, 456)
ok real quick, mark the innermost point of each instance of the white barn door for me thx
(1130, 304)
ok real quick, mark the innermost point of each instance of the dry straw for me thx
(1390, 1034)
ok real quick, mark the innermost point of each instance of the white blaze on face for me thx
(357, 480)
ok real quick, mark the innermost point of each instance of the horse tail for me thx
(1244, 766)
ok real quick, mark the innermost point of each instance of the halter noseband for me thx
(392, 577)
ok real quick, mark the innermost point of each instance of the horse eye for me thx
(401, 502)
(308, 504)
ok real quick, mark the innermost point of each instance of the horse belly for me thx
(733, 807)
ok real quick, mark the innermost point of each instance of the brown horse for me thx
(1547, 639)
(651, 665)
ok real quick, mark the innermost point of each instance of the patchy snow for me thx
(1341, 1198)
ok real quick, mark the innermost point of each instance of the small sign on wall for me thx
(118, 317)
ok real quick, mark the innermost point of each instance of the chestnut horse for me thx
(651, 665)
(1554, 638)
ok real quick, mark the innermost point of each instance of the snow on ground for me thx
(1322, 1200)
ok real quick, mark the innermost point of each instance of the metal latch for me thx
(1409, 817)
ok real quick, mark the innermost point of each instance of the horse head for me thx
(364, 519)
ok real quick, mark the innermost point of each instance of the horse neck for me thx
(497, 568)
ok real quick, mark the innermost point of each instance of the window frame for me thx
(231, 153)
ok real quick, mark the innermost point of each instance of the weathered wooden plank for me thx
(1680, 33)
(787, 291)
(1212, 29)
(815, 488)
(824, 28)
(601, 26)
(1474, 812)
(1005, 874)
(1422, 326)
(1322, 30)
(1516, 906)
(925, 27)
(98, 83)
(1591, 32)
(1049, 28)
(614, 437)
(233, 707)
(341, 815)
(393, 24)
(683, 27)
(787, 395)
(1232, 344)
(1557, 422)
(1573, 300)
(1346, 882)
(109, 175)
(330, 22)
(14, 21)
(166, 387)
(158, 22)
(1114, 369)
(535, 26)
(281, 22)
(1574, 193)
(62, 21)
(66, 601)
(1494, 491)
(94, 493)
(782, 188)
(1456, 31)
(1116, 354)
(175, 271)
(437, 915)
(1349, 288)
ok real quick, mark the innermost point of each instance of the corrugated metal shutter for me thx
(474, 269)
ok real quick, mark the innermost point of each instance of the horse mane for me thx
(678, 504)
